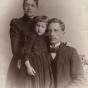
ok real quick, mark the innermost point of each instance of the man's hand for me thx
(66, 43)
(86, 62)
(19, 64)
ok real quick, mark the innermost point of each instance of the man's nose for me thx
(52, 33)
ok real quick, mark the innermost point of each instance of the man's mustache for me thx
(52, 38)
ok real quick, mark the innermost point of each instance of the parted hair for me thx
(34, 1)
(55, 20)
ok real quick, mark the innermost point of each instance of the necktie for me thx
(54, 50)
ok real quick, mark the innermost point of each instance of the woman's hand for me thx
(19, 64)
(30, 69)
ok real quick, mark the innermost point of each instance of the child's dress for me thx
(36, 53)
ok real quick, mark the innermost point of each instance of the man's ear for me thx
(63, 32)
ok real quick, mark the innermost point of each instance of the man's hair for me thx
(55, 20)
(33, 0)
(41, 18)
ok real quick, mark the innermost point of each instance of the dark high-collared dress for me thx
(19, 28)
(39, 58)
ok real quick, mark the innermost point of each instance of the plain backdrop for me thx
(74, 13)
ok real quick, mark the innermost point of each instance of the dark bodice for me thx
(19, 28)
(36, 43)
(39, 45)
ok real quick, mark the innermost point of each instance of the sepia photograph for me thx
(43, 44)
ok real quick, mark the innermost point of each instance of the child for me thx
(36, 68)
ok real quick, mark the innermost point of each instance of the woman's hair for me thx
(41, 18)
(34, 1)
(55, 20)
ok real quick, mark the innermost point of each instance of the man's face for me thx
(29, 7)
(55, 33)
(40, 28)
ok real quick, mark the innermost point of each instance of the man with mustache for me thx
(66, 65)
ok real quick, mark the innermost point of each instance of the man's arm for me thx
(77, 73)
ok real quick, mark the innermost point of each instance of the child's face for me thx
(40, 28)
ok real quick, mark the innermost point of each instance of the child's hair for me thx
(41, 18)
(55, 20)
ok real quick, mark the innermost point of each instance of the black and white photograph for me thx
(43, 44)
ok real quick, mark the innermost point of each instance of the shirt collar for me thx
(55, 45)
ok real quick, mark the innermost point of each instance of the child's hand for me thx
(19, 63)
(31, 70)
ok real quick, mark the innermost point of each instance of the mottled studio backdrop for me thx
(74, 13)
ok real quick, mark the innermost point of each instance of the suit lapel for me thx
(60, 57)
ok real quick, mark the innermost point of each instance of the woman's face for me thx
(40, 28)
(29, 7)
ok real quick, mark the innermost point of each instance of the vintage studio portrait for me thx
(43, 44)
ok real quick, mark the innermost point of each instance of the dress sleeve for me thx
(15, 36)
(30, 40)
(77, 73)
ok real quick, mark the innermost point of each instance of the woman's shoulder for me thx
(16, 21)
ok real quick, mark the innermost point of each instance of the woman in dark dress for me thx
(36, 68)
(19, 28)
